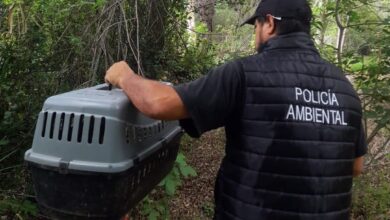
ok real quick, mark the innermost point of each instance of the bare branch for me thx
(138, 49)
(368, 23)
(338, 21)
(341, 32)
(381, 153)
(374, 132)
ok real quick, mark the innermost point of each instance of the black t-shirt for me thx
(213, 100)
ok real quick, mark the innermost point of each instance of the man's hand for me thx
(152, 98)
(116, 74)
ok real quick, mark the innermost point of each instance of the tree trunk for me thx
(206, 12)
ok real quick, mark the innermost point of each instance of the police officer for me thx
(294, 138)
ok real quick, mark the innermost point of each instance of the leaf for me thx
(353, 16)
(170, 186)
(172, 181)
(180, 159)
(356, 67)
(29, 208)
(153, 214)
(4, 141)
(188, 171)
(162, 183)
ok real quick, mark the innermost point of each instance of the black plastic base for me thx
(85, 195)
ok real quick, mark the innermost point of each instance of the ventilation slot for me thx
(44, 124)
(53, 121)
(70, 128)
(91, 126)
(102, 129)
(60, 131)
(81, 126)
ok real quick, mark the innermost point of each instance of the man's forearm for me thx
(153, 98)
(358, 166)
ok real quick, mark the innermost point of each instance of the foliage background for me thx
(53, 46)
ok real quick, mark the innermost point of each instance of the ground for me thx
(195, 197)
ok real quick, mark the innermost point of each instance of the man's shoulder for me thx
(334, 70)
(235, 64)
(232, 67)
(244, 62)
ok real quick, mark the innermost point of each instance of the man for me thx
(294, 138)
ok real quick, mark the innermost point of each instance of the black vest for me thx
(291, 147)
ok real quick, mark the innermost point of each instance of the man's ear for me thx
(270, 22)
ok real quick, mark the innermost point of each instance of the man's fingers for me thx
(106, 79)
(117, 72)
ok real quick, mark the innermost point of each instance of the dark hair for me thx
(290, 25)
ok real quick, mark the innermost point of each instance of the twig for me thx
(138, 50)
(127, 34)
(11, 167)
(14, 193)
(374, 132)
(375, 157)
(8, 155)
(341, 31)
(367, 23)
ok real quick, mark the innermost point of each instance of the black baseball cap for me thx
(279, 9)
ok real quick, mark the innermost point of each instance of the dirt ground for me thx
(194, 198)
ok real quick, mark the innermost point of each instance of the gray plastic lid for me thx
(97, 130)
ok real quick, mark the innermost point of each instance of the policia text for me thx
(316, 114)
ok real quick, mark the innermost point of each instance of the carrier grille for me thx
(140, 133)
(59, 125)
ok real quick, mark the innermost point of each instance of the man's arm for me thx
(358, 166)
(361, 150)
(154, 99)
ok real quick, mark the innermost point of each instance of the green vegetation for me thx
(48, 47)
(21, 209)
(371, 196)
(157, 208)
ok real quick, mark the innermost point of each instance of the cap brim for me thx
(251, 20)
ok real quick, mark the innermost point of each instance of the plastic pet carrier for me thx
(95, 156)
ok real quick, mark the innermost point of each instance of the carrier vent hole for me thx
(53, 121)
(91, 128)
(132, 182)
(139, 177)
(44, 124)
(145, 132)
(70, 127)
(102, 130)
(81, 126)
(60, 131)
(144, 172)
(127, 135)
(148, 168)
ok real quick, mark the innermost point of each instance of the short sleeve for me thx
(212, 99)
(361, 145)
